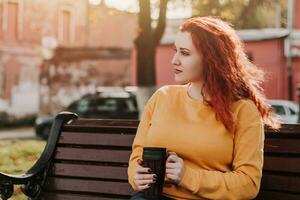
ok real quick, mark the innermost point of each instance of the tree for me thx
(149, 35)
(146, 42)
(243, 14)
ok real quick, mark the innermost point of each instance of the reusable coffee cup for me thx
(155, 159)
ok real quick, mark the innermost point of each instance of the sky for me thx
(132, 6)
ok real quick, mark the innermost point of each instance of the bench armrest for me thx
(33, 180)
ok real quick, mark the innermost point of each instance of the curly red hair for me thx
(228, 74)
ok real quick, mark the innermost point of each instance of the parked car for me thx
(105, 104)
(287, 110)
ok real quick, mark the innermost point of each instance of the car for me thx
(287, 110)
(106, 103)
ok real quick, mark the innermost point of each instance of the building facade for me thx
(31, 29)
(267, 48)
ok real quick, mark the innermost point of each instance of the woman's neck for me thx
(194, 90)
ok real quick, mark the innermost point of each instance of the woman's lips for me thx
(177, 71)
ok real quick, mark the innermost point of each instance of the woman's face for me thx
(186, 59)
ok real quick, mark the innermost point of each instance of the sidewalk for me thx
(17, 133)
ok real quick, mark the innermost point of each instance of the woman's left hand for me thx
(174, 167)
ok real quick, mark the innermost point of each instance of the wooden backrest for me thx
(91, 161)
(281, 170)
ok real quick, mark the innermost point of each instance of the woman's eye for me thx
(184, 53)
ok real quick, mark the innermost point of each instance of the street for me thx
(17, 133)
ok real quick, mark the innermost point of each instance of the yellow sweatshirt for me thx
(218, 164)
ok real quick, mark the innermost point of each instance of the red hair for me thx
(228, 74)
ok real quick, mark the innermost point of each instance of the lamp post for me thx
(46, 51)
(290, 27)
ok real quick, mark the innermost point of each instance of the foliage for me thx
(17, 156)
(243, 14)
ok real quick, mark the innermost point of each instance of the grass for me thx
(17, 156)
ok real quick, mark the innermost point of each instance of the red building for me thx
(266, 47)
(29, 28)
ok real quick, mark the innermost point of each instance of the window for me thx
(83, 106)
(107, 104)
(1, 17)
(80, 106)
(65, 25)
(12, 28)
(128, 105)
(279, 109)
(12, 13)
(292, 111)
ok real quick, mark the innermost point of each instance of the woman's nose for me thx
(175, 61)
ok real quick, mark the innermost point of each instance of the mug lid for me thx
(154, 153)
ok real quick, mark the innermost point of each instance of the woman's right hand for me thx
(143, 177)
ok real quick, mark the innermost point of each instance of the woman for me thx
(212, 122)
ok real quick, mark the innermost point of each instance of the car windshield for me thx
(79, 106)
(278, 109)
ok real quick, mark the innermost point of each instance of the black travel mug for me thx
(155, 159)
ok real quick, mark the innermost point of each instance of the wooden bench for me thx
(87, 159)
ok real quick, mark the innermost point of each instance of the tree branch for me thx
(144, 20)
(159, 30)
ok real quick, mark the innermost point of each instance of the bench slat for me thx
(291, 129)
(282, 146)
(56, 196)
(89, 171)
(278, 182)
(105, 122)
(286, 128)
(97, 155)
(271, 195)
(88, 186)
(103, 129)
(285, 164)
(123, 140)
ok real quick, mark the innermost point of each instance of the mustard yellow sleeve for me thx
(137, 146)
(243, 181)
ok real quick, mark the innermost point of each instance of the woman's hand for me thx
(143, 177)
(174, 167)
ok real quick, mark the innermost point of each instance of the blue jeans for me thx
(141, 196)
